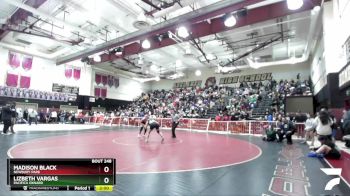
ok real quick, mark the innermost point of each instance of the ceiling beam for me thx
(216, 25)
(196, 22)
(216, 9)
(21, 15)
(151, 4)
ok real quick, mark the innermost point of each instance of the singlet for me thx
(152, 119)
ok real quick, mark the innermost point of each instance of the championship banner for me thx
(14, 59)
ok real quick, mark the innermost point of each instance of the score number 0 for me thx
(106, 170)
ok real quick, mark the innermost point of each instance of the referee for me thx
(175, 122)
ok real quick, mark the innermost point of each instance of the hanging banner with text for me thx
(246, 78)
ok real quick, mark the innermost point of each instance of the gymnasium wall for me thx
(128, 88)
(336, 20)
(45, 72)
(329, 56)
(278, 72)
(318, 67)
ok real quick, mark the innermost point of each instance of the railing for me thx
(237, 127)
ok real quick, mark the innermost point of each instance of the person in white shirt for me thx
(33, 117)
(153, 124)
(309, 130)
(323, 124)
(54, 116)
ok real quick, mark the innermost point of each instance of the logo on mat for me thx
(334, 181)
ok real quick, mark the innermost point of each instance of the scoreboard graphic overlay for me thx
(97, 174)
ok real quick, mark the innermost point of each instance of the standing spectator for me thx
(25, 115)
(13, 117)
(54, 116)
(6, 118)
(42, 116)
(323, 124)
(309, 129)
(33, 117)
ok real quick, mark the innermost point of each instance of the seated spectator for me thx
(271, 134)
(327, 149)
(218, 118)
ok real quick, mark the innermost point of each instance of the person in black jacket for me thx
(6, 118)
(286, 128)
(13, 116)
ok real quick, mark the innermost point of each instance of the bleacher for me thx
(263, 106)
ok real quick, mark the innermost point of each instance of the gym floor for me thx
(192, 164)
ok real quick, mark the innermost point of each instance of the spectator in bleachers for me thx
(196, 102)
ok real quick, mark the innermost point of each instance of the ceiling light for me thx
(182, 32)
(230, 21)
(211, 57)
(97, 58)
(178, 63)
(317, 8)
(153, 67)
(157, 78)
(146, 44)
(294, 4)
(198, 72)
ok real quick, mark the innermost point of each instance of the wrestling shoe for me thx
(312, 154)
